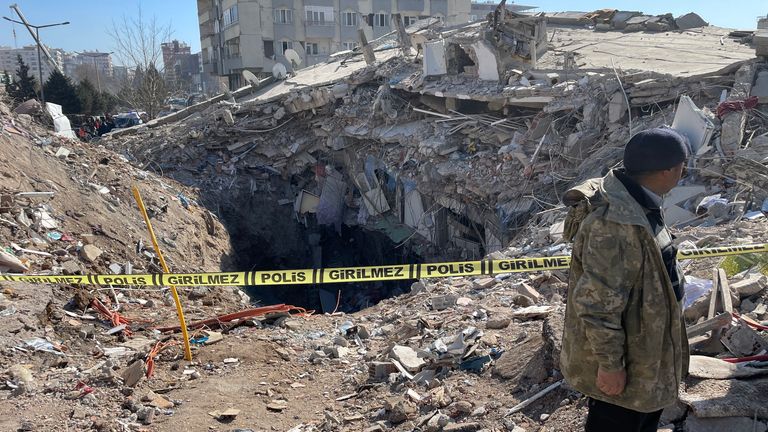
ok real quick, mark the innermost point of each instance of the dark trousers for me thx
(605, 417)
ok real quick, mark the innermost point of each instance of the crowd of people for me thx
(95, 126)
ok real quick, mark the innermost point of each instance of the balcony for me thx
(207, 30)
(204, 17)
(232, 63)
(319, 29)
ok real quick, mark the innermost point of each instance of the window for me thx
(409, 20)
(349, 46)
(269, 48)
(230, 16)
(285, 45)
(315, 17)
(381, 20)
(283, 16)
(349, 19)
(311, 48)
(233, 50)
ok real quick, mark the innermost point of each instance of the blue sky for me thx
(90, 19)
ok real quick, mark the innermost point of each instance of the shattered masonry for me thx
(464, 149)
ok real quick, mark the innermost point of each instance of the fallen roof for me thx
(684, 54)
(319, 75)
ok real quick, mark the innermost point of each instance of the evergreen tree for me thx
(60, 90)
(90, 100)
(6, 79)
(24, 87)
(108, 101)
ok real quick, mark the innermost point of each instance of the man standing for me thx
(624, 344)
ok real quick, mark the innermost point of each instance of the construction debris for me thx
(461, 152)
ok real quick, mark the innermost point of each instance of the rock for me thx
(417, 287)
(730, 424)
(90, 253)
(497, 323)
(197, 293)
(336, 351)
(443, 302)
(510, 426)
(317, 356)
(617, 107)
(439, 397)
(543, 417)
(463, 301)
(78, 413)
(363, 331)
(749, 286)
(159, 401)
(528, 291)
(401, 410)
(523, 363)
(522, 300)
(407, 357)
(552, 332)
(226, 115)
(437, 422)
(21, 374)
(146, 415)
(71, 267)
(484, 283)
(532, 312)
(479, 412)
(340, 341)
(225, 415)
(293, 325)
(460, 408)
(133, 373)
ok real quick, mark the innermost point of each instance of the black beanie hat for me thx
(655, 150)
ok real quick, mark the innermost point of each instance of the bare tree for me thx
(137, 44)
(137, 40)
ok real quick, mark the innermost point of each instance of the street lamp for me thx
(39, 60)
(94, 56)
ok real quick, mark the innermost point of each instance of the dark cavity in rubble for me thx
(268, 236)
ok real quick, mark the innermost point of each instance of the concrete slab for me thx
(726, 398)
(316, 76)
(683, 54)
(689, 21)
(434, 58)
(730, 424)
(693, 123)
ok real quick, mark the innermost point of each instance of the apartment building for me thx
(9, 62)
(253, 35)
(479, 10)
(93, 60)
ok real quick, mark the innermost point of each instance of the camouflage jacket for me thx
(621, 310)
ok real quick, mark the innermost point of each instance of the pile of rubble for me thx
(464, 146)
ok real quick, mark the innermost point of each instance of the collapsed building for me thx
(429, 144)
(441, 143)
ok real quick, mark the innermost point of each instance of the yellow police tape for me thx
(487, 267)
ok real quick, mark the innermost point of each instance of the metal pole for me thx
(40, 68)
(36, 36)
